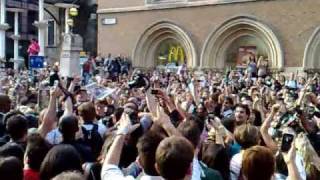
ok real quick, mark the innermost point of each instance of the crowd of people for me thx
(241, 124)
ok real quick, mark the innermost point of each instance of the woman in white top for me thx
(262, 67)
(259, 163)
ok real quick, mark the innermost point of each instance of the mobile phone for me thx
(287, 140)
(154, 91)
(56, 83)
(211, 116)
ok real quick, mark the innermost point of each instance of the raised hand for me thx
(76, 79)
(290, 156)
(56, 92)
(125, 126)
(161, 117)
(275, 108)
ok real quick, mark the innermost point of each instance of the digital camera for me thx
(138, 81)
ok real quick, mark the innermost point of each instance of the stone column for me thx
(3, 27)
(67, 27)
(41, 24)
(16, 37)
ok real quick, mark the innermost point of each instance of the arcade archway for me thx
(246, 32)
(312, 52)
(164, 41)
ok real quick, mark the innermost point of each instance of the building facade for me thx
(27, 29)
(212, 33)
(85, 25)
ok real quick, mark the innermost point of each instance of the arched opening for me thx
(170, 51)
(246, 41)
(239, 34)
(312, 52)
(164, 42)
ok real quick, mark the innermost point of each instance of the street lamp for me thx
(70, 22)
(70, 10)
(73, 12)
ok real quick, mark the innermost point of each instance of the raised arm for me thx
(76, 80)
(151, 102)
(259, 63)
(68, 107)
(163, 120)
(110, 169)
(258, 105)
(223, 136)
(195, 92)
(266, 125)
(289, 158)
(49, 118)
(114, 153)
(170, 104)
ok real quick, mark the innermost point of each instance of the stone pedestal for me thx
(3, 28)
(70, 53)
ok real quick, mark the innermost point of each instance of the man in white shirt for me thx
(147, 146)
(173, 156)
(190, 130)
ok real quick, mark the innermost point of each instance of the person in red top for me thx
(33, 48)
(87, 70)
(36, 151)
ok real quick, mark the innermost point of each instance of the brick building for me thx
(212, 33)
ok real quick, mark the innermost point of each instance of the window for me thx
(10, 20)
(51, 33)
(32, 17)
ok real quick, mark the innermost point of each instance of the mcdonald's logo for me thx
(176, 54)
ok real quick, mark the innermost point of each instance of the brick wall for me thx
(293, 22)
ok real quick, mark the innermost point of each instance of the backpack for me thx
(208, 173)
(93, 139)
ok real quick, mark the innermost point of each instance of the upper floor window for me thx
(163, 1)
(51, 32)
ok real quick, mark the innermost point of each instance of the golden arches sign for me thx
(176, 54)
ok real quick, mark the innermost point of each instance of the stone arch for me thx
(150, 39)
(311, 56)
(213, 54)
